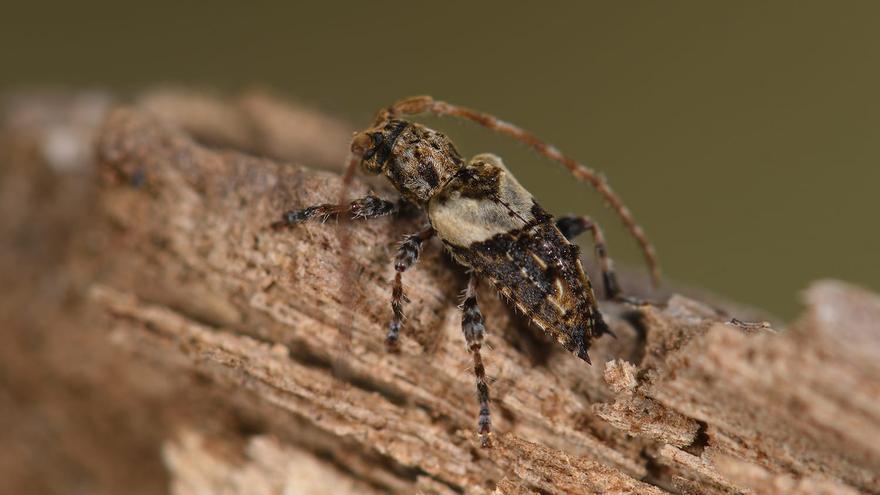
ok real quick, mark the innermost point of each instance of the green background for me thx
(743, 135)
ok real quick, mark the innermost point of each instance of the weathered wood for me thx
(264, 349)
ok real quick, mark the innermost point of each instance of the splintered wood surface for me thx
(158, 336)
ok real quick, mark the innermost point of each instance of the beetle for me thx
(489, 223)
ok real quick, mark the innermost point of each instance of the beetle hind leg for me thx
(571, 226)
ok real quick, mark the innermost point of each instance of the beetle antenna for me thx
(426, 104)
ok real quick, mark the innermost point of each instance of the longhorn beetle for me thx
(489, 223)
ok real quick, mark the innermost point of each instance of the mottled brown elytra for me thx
(489, 223)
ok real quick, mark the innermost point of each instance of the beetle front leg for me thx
(473, 329)
(407, 255)
(367, 207)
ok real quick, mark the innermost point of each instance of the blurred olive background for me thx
(744, 136)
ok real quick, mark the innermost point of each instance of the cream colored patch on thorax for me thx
(462, 221)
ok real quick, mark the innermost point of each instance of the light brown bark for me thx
(183, 344)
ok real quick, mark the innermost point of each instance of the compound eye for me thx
(376, 138)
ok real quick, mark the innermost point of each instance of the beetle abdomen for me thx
(540, 272)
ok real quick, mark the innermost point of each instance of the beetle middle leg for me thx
(407, 255)
(474, 331)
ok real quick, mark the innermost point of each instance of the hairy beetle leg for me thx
(473, 329)
(367, 207)
(571, 226)
(749, 325)
(407, 255)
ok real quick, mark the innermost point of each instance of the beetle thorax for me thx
(422, 161)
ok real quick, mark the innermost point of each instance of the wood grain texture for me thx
(225, 357)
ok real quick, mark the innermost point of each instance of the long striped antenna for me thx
(425, 104)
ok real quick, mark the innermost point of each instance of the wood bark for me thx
(158, 335)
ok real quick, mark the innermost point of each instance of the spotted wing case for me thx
(492, 225)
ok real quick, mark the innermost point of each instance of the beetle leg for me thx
(367, 207)
(474, 331)
(407, 255)
(571, 226)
